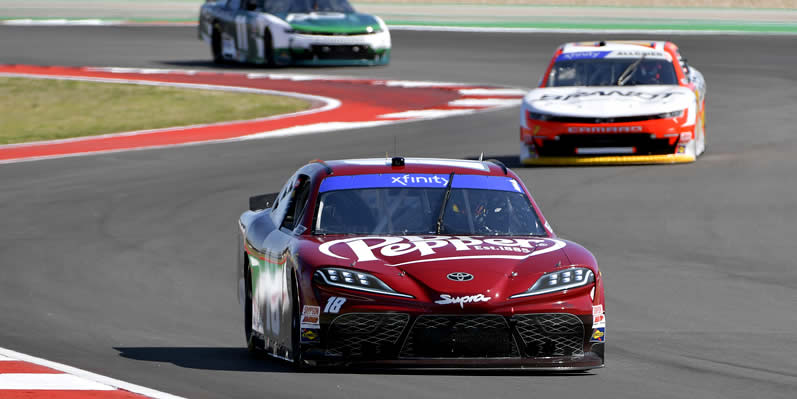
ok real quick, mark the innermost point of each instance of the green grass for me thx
(46, 109)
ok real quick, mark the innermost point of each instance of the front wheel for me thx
(215, 44)
(268, 48)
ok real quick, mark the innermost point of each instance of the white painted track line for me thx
(61, 382)
(86, 375)
(494, 92)
(484, 102)
(427, 113)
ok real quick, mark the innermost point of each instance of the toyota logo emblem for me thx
(459, 276)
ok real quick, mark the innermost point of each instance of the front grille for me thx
(338, 52)
(642, 143)
(592, 120)
(372, 335)
(438, 336)
(314, 33)
(551, 334)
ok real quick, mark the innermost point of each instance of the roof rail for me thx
(324, 164)
(499, 163)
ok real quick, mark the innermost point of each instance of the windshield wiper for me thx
(623, 78)
(445, 201)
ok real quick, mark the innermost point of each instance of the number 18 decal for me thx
(333, 304)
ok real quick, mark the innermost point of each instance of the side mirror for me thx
(263, 201)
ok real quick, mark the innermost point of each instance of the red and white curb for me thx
(337, 103)
(28, 377)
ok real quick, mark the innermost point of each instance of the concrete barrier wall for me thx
(788, 4)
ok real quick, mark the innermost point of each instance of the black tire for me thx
(268, 48)
(215, 44)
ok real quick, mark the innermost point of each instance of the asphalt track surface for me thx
(123, 263)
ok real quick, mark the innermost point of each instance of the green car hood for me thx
(332, 22)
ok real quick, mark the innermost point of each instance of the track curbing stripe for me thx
(355, 112)
(96, 378)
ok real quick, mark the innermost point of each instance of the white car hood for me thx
(609, 101)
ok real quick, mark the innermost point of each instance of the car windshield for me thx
(305, 6)
(393, 204)
(607, 72)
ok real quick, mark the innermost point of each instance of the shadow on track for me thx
(239, 66)
(239, 359)
(225, 359)
(513, 162)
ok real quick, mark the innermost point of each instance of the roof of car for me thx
(613, 45)
(415, 165)
(616, 49)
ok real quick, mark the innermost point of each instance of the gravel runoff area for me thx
(441, 11)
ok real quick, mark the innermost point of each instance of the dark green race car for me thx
(285, 32)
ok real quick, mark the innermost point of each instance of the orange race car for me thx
(614, 102)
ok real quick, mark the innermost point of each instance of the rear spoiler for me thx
(262, 201)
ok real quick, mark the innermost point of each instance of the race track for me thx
(123, 263)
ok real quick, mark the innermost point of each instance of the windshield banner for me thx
(419, 180)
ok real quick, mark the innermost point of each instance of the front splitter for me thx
(589, 360)
(610, 160)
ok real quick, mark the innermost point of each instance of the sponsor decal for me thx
(599, 321)
(609, 93)
(300, 17)
(681, 149)
(334, 303)
(417, 180)
(367, 248)
(310, 335)
(639, 53)
(597, 309)
(310, 316)
(598, 335)
(459, 276)
(605, 129)
(582, 55)
(461, 300)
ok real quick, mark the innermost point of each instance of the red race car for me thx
(415, 262)
(615, 102)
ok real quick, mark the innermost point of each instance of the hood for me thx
(609, 101)
(420, 265)
(332, 23)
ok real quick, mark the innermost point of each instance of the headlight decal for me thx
(673, 114)
(356, 280)
(538, 116)
(560, 280)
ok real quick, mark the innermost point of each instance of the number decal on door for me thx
(334, 304)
